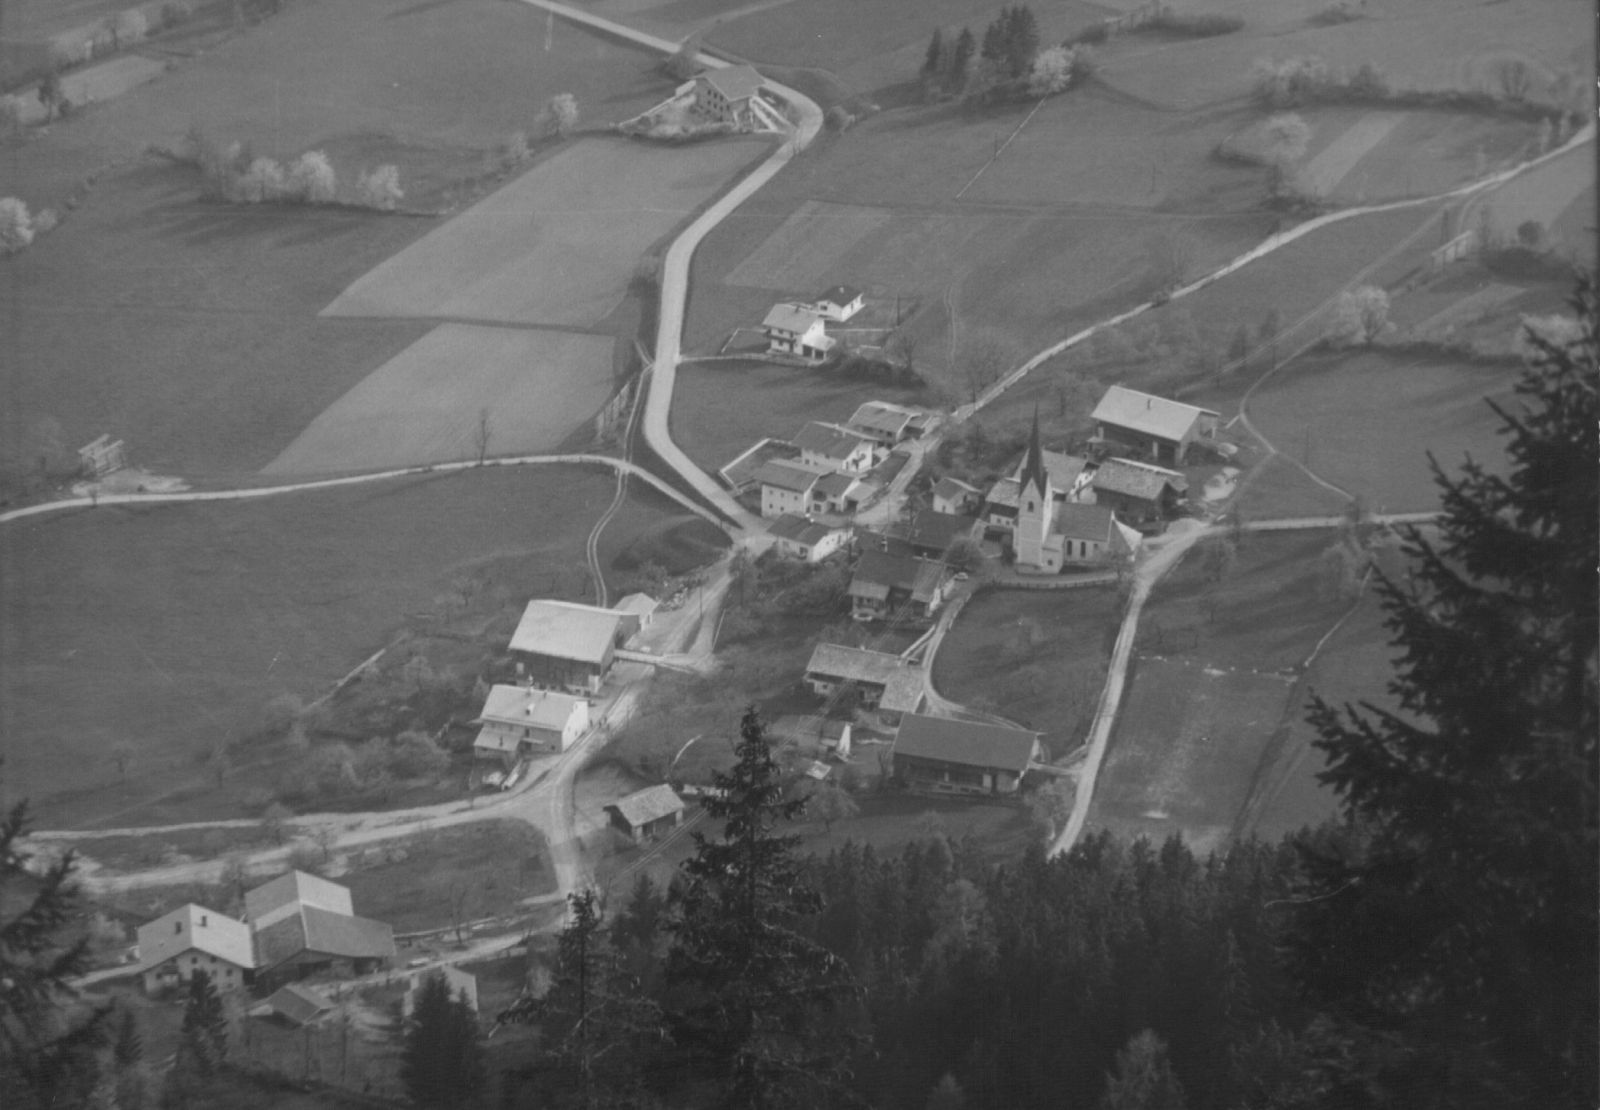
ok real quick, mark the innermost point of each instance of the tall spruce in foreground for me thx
(1456, 939)
(442, 1062)
(754, 1004)
(48, 1043)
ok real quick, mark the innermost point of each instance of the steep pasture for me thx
(170, 627)
(1366, 421)
(556, 246)
(531, 388)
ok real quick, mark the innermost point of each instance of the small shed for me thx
(641, 605)
(648, 813)
(839, 303)
(296, 1004)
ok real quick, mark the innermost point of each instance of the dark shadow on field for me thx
(418, 9)
(200, 223)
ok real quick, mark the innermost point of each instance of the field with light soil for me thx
(531, 388)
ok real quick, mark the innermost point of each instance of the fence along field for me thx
(558, 245)
(530, 389)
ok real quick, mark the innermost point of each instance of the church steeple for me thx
(1034, 474)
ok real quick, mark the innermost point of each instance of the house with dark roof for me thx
(955, 497)
(942, 755)
(1068, 475)
(1139, 493)
(886, 682)
(1089, 534)
(840, 493)
(797, 329)
(828, 445)
(294, 1004)
(839, 303)
(1143, 426)
(789, 486)
(302, 925)
(739, 475)
(724, 93)
(194, 938)
(562, 645)
(930, 533)
(808, 540)
(647, 813)
(518, 721)
(903, 588)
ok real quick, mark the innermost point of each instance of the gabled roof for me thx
(297, 1003)
(854, 664)
(1147, 414)
(904, 692)
(946, 488)
(650, 804)
(1033, 472)
(791, 317)
(836, 485)
(970, 743)
(881, 570)
(798, 529)
(829, 440)
(1005, 492)
(740, 472)
(1062, 468)
(1084, 522)
(840, 295)
(881, 416)
(931, 529)
(641, 603)
(193, 927)
(567, 630)
(734, 82)
(284, 895)
(1137, 479)
(329, 934)
(524, 706)
(788, 474)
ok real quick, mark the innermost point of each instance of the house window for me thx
(202, 921)
(177, 926)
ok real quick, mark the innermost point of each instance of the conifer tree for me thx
(751, 998)
(1457, 937)
(1143, 1079)
(47, 1044)
(955, 75)
(205, 1026)
(441, 1064)
(933, 61)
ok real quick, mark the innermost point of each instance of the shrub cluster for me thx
(1340, 11)
(1008, 66)
(235, 174)
(338, 770)
(1307, 79)
(1161, 18)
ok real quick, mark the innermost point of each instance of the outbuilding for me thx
(563, 645)
(647, 813)
(1144, 426)
(942, 755)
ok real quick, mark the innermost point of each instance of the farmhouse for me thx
(835, 448)
(648, 813)
(295, 1004)
(740, 474)
(839, 303)
(897, 587)
(887, 683)
(304, 925)
(789, 486)
(840, 493)
(564, 645)
(887, 424)
(463, 986)
(193, 938)
(796, 329)
(1145, 426)
(955, 497)
(808, 540)
(724, 94)
(1069, 481)
(930, 534)
(945, 756)
(519, 720)
(640, 605)
(1138, 493)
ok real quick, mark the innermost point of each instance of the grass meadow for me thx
(169, 628)
(1036, 657)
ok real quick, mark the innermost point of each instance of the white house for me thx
(787, 486)
(839, 493)
(724, 94)
(193, 938)
(797, 329)
(955, 497)
(839, 303)
(641, 605)
(835, 448)
(519, 720)
(886, 424)
(1151, 428)
(808, 540)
